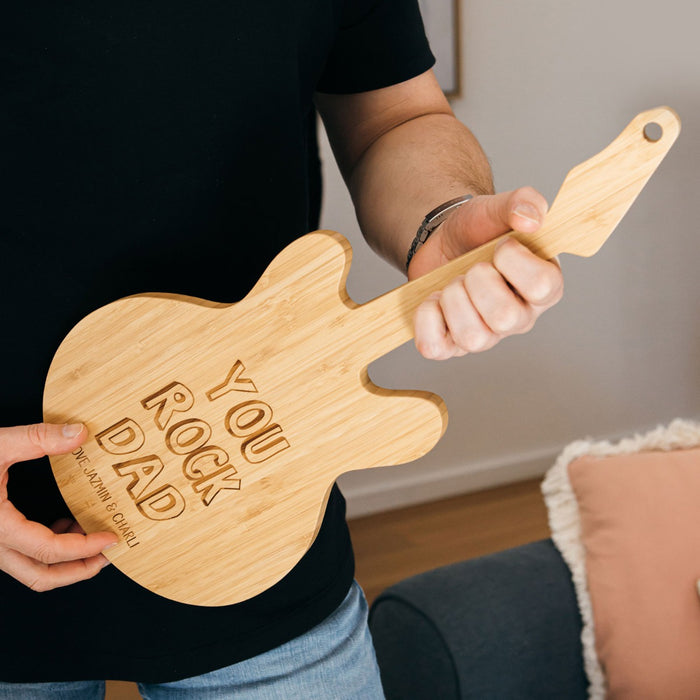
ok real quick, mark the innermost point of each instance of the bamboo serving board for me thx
(217, 431)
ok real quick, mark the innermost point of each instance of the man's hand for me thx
(493, 300)
(402, 151)
(40, 557)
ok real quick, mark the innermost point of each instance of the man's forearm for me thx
(408, 171)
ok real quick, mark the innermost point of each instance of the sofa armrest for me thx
(504, 625)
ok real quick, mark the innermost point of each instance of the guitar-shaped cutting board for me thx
(216, 431)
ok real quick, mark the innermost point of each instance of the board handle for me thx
(593, 198)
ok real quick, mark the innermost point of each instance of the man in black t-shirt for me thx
(129, 132)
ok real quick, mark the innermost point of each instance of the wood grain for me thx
(217, 431)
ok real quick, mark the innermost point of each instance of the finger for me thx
(44, 577)
(488, 216)
(522, 210)
(465, 325)
(539, 282)
(42, 544)
(432, 337)
(526, 210)
(501, 309)
(22, 442)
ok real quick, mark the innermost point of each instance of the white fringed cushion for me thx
(626, 519)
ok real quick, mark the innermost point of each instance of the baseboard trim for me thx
(389, 488)
(393, 487)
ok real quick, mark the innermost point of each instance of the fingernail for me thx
(109, 546)
(72, 430)
(527, 211)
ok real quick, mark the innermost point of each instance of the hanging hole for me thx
(653, 132)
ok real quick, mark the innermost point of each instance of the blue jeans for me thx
(333, 661)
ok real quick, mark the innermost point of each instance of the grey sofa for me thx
(504, 626)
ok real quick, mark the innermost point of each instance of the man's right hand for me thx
(43, 558)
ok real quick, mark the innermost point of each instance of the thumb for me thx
(22, 442)
(485, 217)
(489, 216)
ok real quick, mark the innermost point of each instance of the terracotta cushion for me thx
(627, 520)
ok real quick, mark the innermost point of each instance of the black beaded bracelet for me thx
(432, 221)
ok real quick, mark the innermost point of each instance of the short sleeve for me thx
(383, 44)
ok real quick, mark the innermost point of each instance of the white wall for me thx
(546, 85)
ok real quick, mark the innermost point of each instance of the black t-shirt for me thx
(151, 146)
